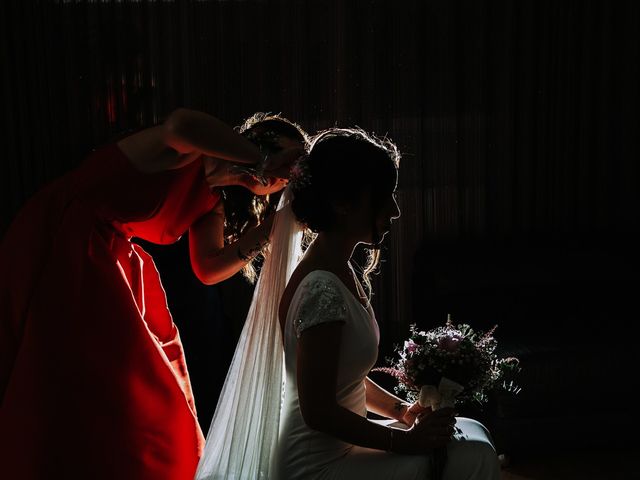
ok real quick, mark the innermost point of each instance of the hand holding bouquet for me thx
(450, 365)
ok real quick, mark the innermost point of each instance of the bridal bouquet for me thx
(450, 364)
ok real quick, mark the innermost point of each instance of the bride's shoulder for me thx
(313, 280)
(319, 290)
(310, 285)
(316, 297)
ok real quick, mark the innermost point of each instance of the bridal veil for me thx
(244, 430)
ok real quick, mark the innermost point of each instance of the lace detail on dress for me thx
(321, 302)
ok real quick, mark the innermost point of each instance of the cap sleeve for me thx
(322, 301)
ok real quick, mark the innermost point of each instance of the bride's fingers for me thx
(417, 408)
(441, 425)
(443, 412)
(444, 431)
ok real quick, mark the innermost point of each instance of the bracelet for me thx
(246, 257)
(253, 252)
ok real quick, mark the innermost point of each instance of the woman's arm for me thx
(317, 363)
(188, 130)
(184, 136)
(383, 403)
(213, 261)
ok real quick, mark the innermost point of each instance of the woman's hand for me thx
(279, 164)
(217, 172)
(431, 430)
(410, 412)
(273, 185)
(220, 173)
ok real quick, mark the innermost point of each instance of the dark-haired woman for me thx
(331, 336)
(93, 379)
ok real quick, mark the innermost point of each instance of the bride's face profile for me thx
(389, 212)
(368, 224)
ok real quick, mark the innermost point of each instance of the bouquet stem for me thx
(442, 396)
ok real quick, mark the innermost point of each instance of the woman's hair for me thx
(242, 208)
(340, 165)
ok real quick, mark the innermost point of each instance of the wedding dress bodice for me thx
(322, 297)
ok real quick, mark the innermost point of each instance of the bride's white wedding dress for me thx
(306, 454)
(252, 434)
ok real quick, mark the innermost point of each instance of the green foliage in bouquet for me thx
(457, 353)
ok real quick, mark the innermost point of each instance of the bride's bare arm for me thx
(317, 363)
(384, 403)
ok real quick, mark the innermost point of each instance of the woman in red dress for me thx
(93, 378)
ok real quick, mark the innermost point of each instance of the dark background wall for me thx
(518, 119)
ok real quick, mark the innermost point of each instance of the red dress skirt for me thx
(93, 378)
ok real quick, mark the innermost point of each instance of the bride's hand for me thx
(411, 412)
(431, 430)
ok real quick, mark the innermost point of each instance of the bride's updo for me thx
(341, 164)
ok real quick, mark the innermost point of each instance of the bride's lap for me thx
(376, 464)
(470, 455)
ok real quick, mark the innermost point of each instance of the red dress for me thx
(93, 379)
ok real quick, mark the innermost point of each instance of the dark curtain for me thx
(516, 118)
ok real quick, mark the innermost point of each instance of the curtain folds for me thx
(515, 117)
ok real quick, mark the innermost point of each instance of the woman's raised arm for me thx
(211, 260)
(184, 136)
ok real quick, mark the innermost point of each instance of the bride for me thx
(314, 310)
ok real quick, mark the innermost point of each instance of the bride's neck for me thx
(332, 249)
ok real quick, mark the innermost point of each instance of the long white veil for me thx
(244, 430)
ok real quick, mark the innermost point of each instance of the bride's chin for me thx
(383, 235)
(375, 243)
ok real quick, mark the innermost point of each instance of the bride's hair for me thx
(244, 209)
(341, 163)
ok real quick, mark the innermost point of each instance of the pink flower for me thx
(409, 346)
(450, 343)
